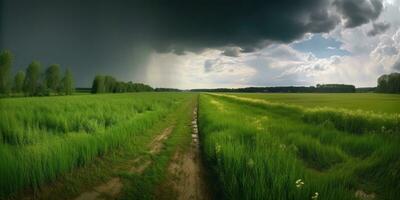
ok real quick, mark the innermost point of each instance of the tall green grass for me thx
(259, 151)
(379, 103)
(42, 138)
(354, 121)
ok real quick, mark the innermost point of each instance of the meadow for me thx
(42, 138)
(254, 146)
(260, 149)
(381, 103)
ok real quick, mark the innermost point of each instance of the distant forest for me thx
(326, 88)
(34, 81)
(109, 84)
(387, 83)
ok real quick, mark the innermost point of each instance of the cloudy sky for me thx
(208, 43)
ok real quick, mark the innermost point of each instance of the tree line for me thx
(389, 83)
(33, 82)
(332, 88)
(168, 90)
(335, 88)
(109, 84)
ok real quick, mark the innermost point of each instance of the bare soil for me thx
(112, 188)
(187, 176)
(109, 190)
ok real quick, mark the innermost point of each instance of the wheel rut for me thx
(113, 187)
(187, 175)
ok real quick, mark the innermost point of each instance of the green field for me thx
(387, 103)
(42, 138)
(254, 146)
(264, 150)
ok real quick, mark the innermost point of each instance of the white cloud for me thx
(209, 69)
(387, 51)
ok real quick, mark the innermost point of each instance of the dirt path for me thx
(112, 188)
(186, 172)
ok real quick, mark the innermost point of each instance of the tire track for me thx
(112, 188)
(187, 174)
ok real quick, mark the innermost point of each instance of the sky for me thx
(207, 43)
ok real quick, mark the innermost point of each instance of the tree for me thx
(68, 83)
(32, 77)
(383, 83)
(42, 89)
(394, 83)
(98, 84)
(6, 59)
(103, 84)
(52, 78)
(389, 83)
(109, 83)
(19, 81)
(120, 87)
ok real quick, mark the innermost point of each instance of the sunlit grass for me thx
(44, 137)
(354, 121)
(380, 103)
(287, 157)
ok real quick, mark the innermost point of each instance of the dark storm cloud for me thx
(194, 25)
(231, 51)
(378, 28)
(358, 12)
(200, 24)
(115, 36)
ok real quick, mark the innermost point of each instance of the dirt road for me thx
(187, 177)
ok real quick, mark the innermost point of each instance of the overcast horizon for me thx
(208, 44)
